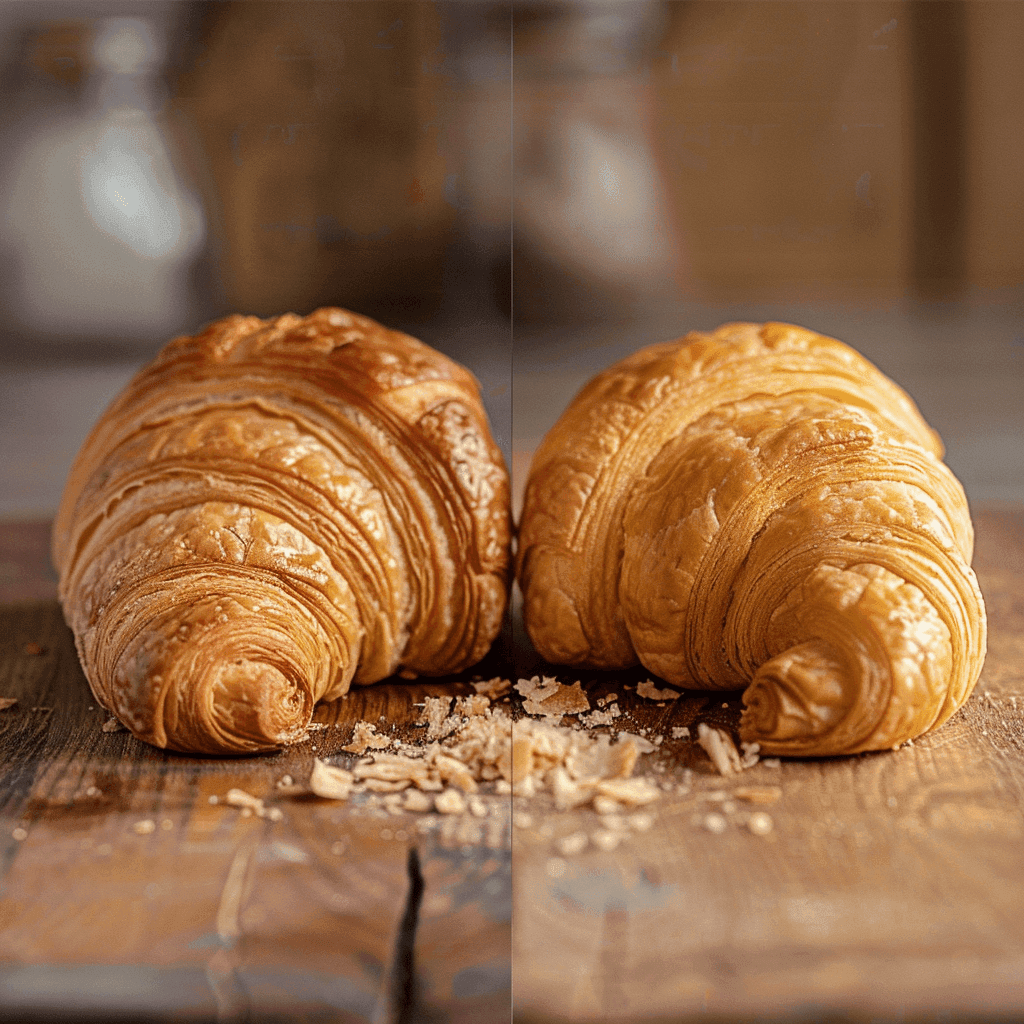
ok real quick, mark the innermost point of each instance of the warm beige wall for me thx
(754, 96)
(783, 132)
(995, 155)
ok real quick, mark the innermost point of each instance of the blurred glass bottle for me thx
(593, 227)
(99, 236)
(576, 182)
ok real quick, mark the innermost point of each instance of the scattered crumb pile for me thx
(579, 768)
(546, 697)
(467, 749)
(457, 777)
(550, 699)
(471, 757)
(595, 778)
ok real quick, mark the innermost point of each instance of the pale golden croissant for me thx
(758, 507)
(271, 511)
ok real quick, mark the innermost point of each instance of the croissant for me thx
(272, 511)
(758, 507)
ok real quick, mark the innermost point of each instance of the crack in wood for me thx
(401, 1005)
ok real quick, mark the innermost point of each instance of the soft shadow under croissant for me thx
(758, 507)
(272, 511)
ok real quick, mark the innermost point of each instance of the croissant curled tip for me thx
(255, 706)
(780, 713)
(214, 696)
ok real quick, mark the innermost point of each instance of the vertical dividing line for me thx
(938, 34)
(511, 181)
(514, 645)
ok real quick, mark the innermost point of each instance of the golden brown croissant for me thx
(758, 507)
(271, 511)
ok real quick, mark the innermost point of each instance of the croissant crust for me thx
(758, 507)
(272, 511)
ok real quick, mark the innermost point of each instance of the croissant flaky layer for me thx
(758, 507)
(275, 510)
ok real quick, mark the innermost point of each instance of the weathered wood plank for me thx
(116, 858)
(125, 892)
(890, 883)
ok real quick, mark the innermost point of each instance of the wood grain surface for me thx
(127, 893)
(890, 886)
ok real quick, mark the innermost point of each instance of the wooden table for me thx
(891, 886)
(128, 895)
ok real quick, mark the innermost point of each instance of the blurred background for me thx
(536, 188)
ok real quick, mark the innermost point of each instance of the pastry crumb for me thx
(495, 688)
(605, 717)
(416, 800)
(606, 805)
(451, 801)
(572, 844)
(720, 748)
(549, 698)
(716, 823)
(648, 690)
(364, 737)
(641, 821)
(250, 805)
(606, 839)
(328, 782)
